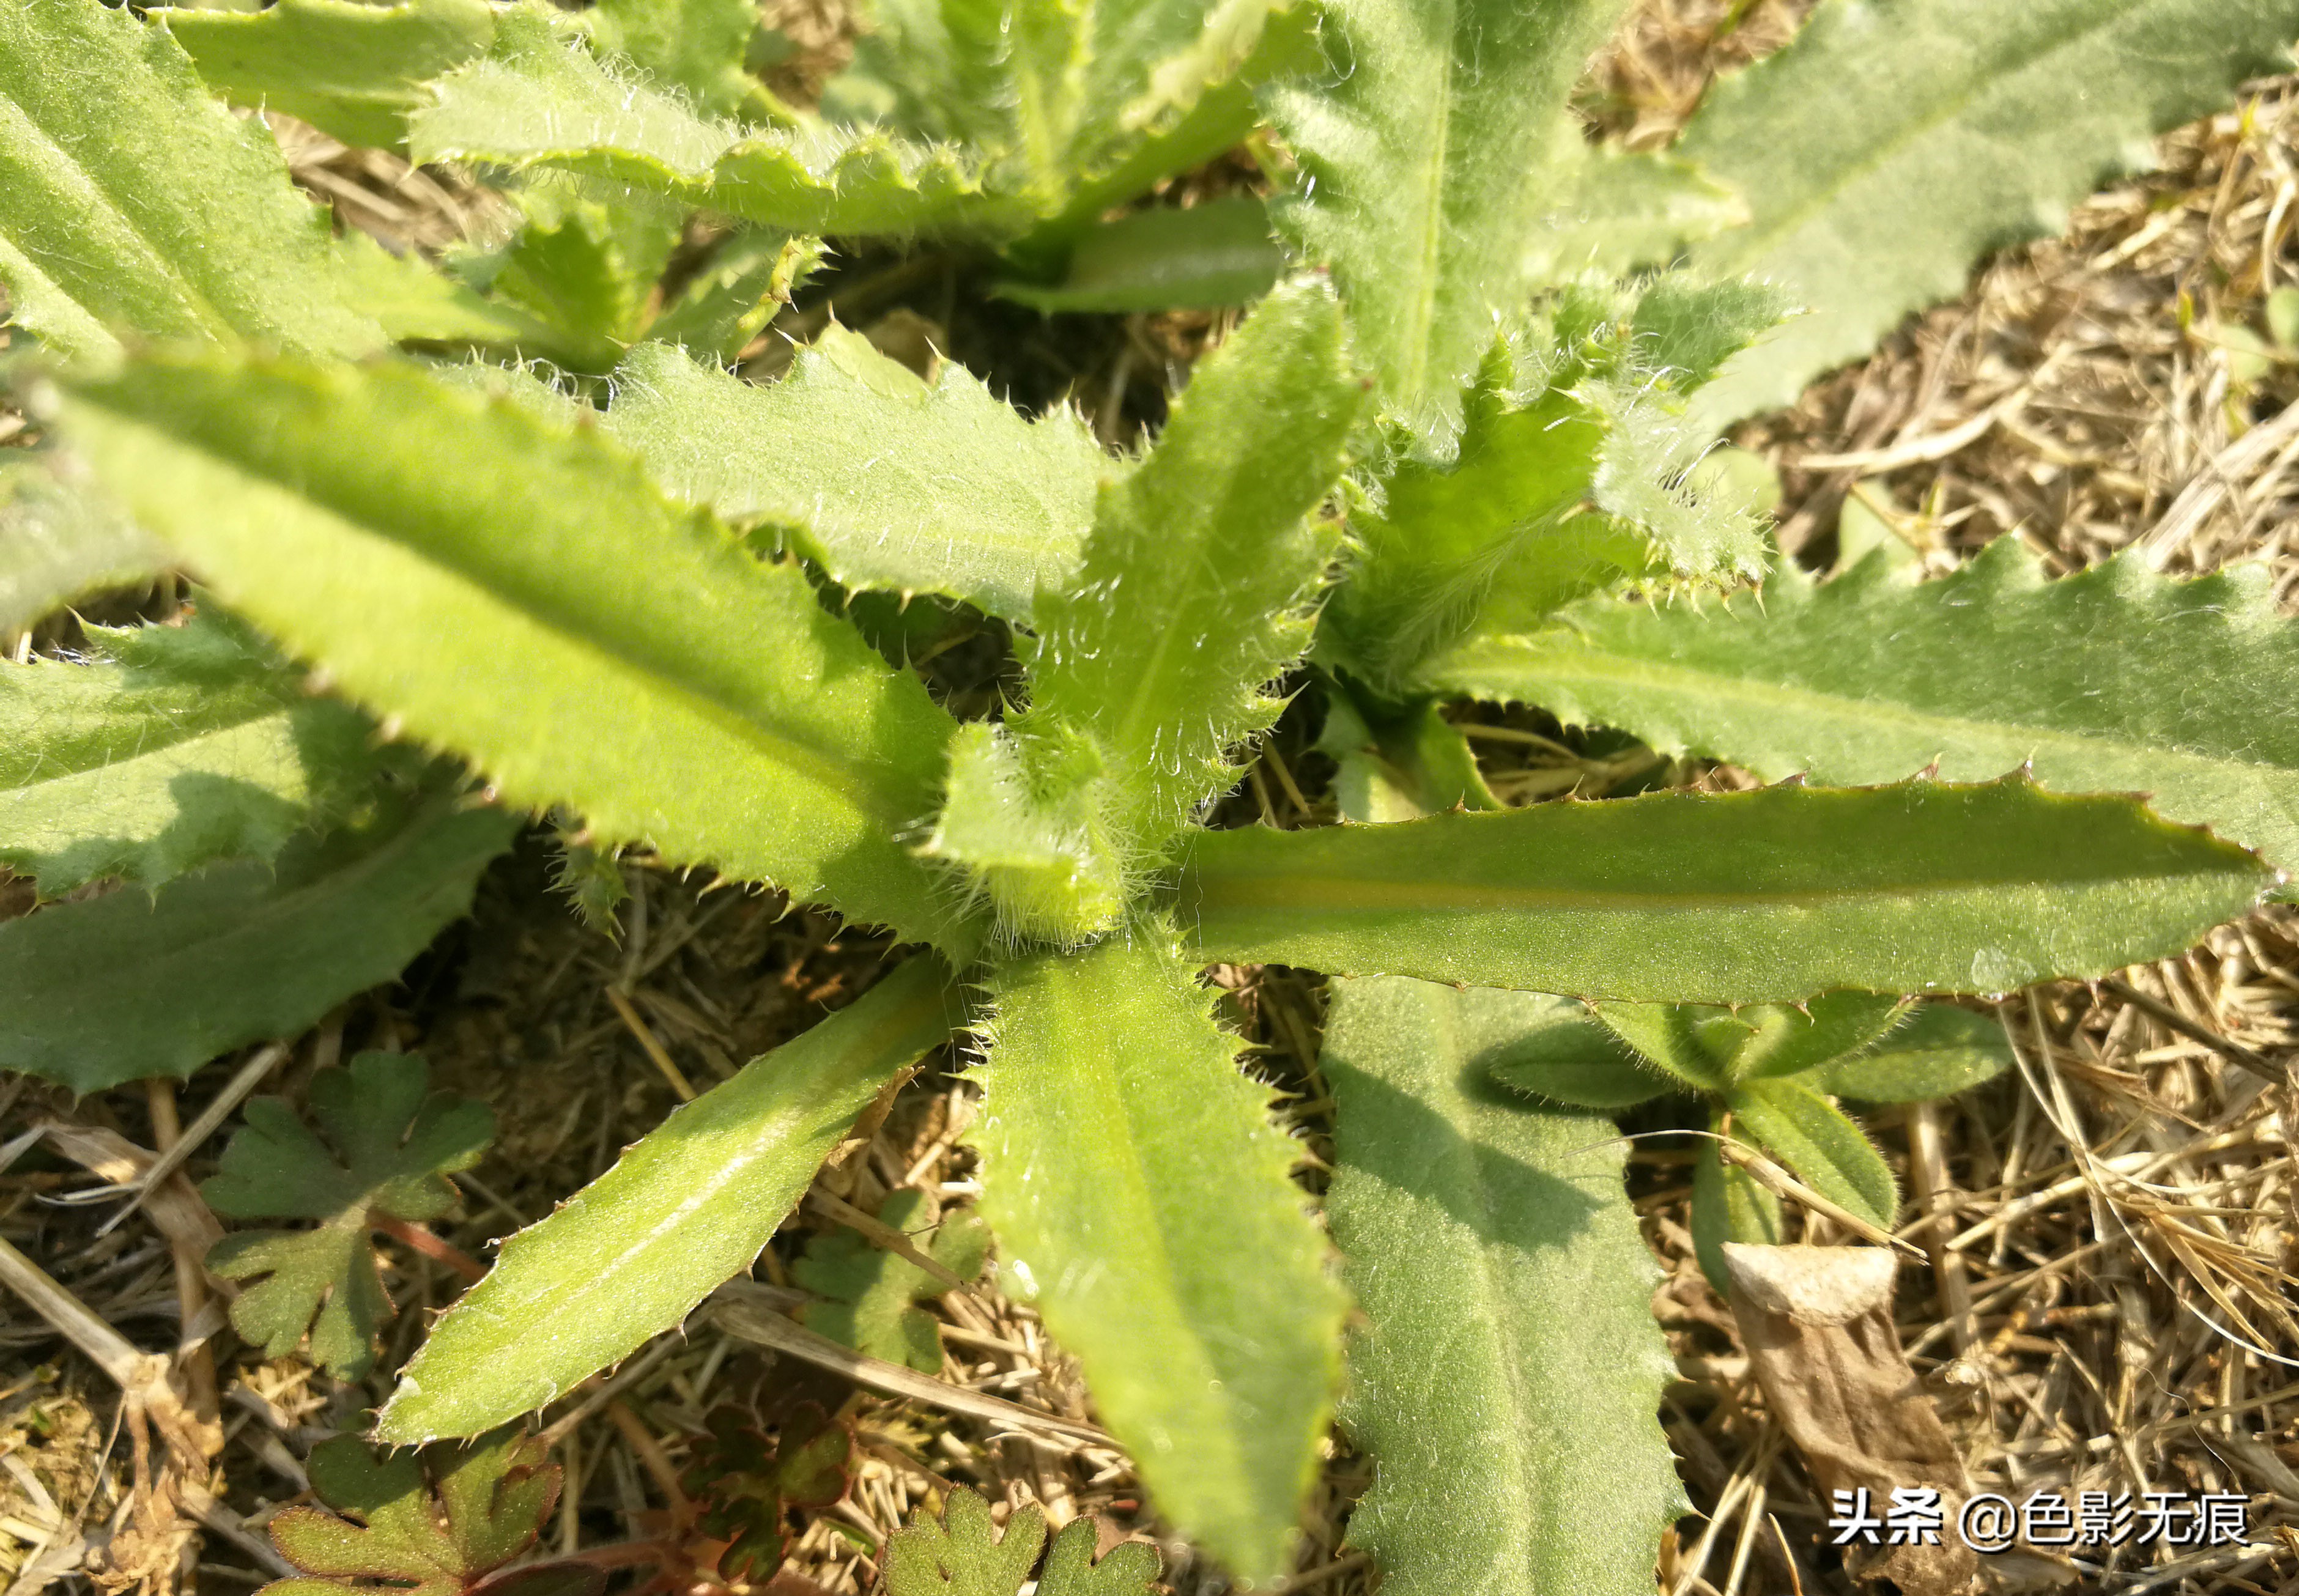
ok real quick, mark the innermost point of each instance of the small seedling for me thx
(1766, 1073)
(964, 1554)
(444, 1521)
(389, 1148)
(745, 1486)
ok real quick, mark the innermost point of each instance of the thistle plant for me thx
(1447, 453)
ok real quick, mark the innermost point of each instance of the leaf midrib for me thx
(52, 159)
(1155, 1236)
(222, 716)
(1499, 1312)
(1433, 219)
(764, 1138)
(1599, 664)
(1759, 242)
(853, 780)
(1271, 893)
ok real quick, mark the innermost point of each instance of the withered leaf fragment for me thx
(1818, 1325)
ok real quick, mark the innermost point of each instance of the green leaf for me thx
(586, 270)
(177, 222)
(1728, 1204)
(1195, 582)
(1200, 105)
(1709, 1049)
(1741, 898)
(60, 539)
(1140, 1196)
(184, 745)
(1669, 1037)
(685, 1209)
(869, 1295)
(1626, 209)
(437, 1522)
(1507, 1372)
(882, 479)
(1044, 863)
(415, 303)
(1826, 1151)
(126, 985)
(389, 1150)
(1165, 259)
(1872, 150)
(517, 589)
(538, 102)
(1084, 104)
(730, 301)
(694, 46)
(1430, 156)
(964, 1555)
(352, 70)
(1571, 476)
(2090, 680)
(1788, 1041)
(1429, 552)
(1940, 1052)
(1551, 1047)
(1397, 764)
(1129, 1568)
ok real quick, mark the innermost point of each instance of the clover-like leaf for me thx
(742, 1481)
(388, 1151)
(964, 1555)
(871, 1293)
(440, 1522)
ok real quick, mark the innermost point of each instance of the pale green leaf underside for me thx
(1507, 1373)
(517, 590)
(180, 747)
(883, 481)
(1744, 897)
(1140, 1194)
(538, 102)
(1895, 141)
(1429, 144)
(1192, 593)
(685, 1209)
(131, 199)
(60, 539)
(2094, 680)
(350, 68)
(126, 986)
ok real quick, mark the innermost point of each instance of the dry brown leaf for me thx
(1818, 1324)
